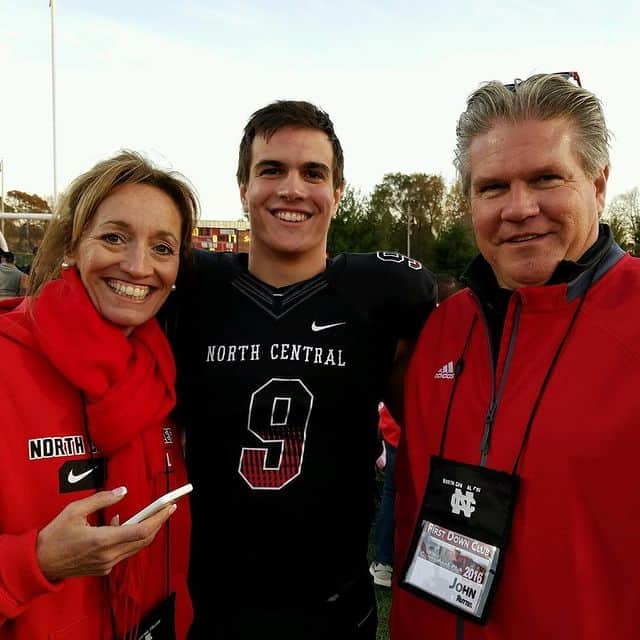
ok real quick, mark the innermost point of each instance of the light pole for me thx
(52, 4)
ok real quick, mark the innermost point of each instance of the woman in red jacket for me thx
(88, 387)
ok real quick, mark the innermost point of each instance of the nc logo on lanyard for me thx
(460, 539)
(462, 502)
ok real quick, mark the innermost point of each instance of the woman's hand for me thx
(69, 546)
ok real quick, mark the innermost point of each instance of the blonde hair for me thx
(78, 205)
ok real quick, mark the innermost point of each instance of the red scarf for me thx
(128, 383)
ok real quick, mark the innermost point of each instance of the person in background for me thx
(87, 383)
(522, 428)
(382, 566)
(282, 358)
(13, 282)
(27, 268)
(447, 286)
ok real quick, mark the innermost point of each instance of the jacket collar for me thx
(578, 275)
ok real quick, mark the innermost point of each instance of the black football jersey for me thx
(278, 390)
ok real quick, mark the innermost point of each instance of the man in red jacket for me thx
(517, 466)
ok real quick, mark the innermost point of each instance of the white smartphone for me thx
(158, 504)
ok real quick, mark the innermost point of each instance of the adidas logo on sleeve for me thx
(445, 371)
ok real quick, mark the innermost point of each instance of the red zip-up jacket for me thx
(37, 404)
(572, 570)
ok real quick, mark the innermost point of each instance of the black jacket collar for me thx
(603, 254)
(578, 275)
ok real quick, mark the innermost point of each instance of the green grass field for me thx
(383, 596)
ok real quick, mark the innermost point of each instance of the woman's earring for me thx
(173, 287)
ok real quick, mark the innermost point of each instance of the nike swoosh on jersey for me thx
(322, 327)
(72, 478)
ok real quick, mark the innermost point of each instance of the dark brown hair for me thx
(288, 113)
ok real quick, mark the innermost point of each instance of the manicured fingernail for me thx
(173, 508)
(120, 491)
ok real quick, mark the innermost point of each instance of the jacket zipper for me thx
(485, 442)
(495, 400)
(168, 469)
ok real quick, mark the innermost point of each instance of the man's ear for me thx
(600, 183)
(243, 198)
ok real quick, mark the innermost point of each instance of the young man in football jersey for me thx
(283, 356)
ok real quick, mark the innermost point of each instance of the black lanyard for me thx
(460, 365)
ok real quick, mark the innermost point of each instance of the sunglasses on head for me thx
(571, 76)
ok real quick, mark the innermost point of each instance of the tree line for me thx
(623, 216)
(419, 215)
(23, 236)
(415, 214)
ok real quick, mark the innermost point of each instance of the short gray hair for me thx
(540, 97)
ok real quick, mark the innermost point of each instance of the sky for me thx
(178, 79)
